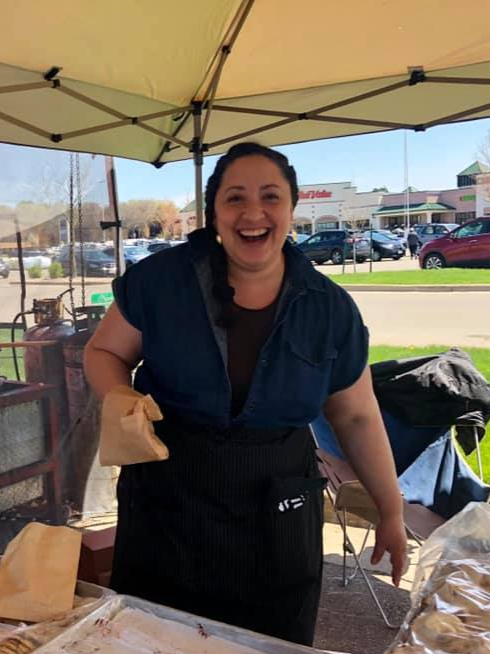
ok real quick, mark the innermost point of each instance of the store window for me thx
(464, 216)
(332, 224)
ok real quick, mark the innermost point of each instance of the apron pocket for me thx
(293, 531)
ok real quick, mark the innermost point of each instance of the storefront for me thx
(332, 206)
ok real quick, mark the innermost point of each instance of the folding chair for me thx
(347, 495)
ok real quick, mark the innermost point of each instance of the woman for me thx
(242, 344)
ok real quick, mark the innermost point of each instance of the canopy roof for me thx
(126, 72)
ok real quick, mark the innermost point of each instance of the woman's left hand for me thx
(391, 537)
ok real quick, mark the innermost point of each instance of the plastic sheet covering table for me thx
(172, 632)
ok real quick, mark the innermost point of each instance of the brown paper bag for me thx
(126, 433)
(38, 573)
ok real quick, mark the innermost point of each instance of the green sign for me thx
(467, 198)
(102, 298)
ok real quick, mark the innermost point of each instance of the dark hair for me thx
(222, 291)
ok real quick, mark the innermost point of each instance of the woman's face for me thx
(253, 212)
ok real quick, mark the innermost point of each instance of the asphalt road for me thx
(445, 318)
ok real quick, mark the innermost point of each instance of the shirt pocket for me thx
(306, 377)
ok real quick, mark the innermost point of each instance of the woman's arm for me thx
(356, 420)
(112, 353)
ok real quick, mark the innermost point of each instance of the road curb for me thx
(63, 281)
(417, 288)
(386, 288)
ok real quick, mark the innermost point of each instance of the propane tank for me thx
(84, 408)
(46, 364)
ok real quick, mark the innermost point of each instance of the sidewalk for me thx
(348, 619)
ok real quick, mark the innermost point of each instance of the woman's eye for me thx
(271, 197)
(233, 199)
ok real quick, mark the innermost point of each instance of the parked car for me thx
(156, 246)
(432, 231)
(96, 263)
(4, 269)
(334, 245)
(468, 246)
(132, 254)
(384, 246)
(31, 258)
(394, 236)
(300, 238)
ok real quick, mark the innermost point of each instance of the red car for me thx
(467, 246)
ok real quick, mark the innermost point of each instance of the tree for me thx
(149, 217)
(380, 189)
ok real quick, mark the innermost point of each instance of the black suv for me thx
(334, 244)
(96, 263)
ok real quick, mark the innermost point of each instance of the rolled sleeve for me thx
(127, 295)
(352, 344)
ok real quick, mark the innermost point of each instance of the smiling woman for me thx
(241, 344)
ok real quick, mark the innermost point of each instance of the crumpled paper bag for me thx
(38, 573)
(126, 433)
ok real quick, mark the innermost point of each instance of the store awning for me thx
(433, 207)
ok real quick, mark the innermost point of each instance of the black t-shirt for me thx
(247, 334)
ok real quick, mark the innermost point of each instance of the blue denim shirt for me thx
(318, 344)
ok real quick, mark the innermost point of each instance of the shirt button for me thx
(251, 406)
(265, 363)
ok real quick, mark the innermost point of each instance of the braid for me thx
(222, 290)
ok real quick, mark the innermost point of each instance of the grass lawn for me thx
(481, 359)
(447, 276)
(7, 368)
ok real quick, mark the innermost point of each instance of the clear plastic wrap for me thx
(128, 625)
(20, 638)
(450, 612)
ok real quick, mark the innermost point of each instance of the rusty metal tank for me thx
(46, 364)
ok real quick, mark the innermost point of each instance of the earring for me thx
(219, 240)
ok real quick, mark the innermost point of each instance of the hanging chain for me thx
(71, 237)
(80, 227)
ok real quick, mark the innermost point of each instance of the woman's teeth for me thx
(253, 234)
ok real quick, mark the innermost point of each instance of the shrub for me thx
(35, 271)
(55, 270)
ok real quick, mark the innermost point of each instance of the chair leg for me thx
(478, 453)
(344, 549)
(361, 552)
(389, 624)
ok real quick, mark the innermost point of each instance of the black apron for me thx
(229, 527)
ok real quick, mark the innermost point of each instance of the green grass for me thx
(7, 368)
(481, 359)
(427, 277)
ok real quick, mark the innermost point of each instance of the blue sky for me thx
(434, 159)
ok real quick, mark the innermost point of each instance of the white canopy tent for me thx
(160, 81)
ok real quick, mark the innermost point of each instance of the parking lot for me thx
(405, 263)
(393, 318)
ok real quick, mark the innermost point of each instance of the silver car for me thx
(432, 231)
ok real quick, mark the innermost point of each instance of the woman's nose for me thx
(253, 210)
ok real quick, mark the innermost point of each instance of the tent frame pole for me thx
(197, 152)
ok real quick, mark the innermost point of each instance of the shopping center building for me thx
(337, 205)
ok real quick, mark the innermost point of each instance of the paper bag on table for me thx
(126, 433)
(38, 573)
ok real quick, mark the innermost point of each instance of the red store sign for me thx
(314, 195)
